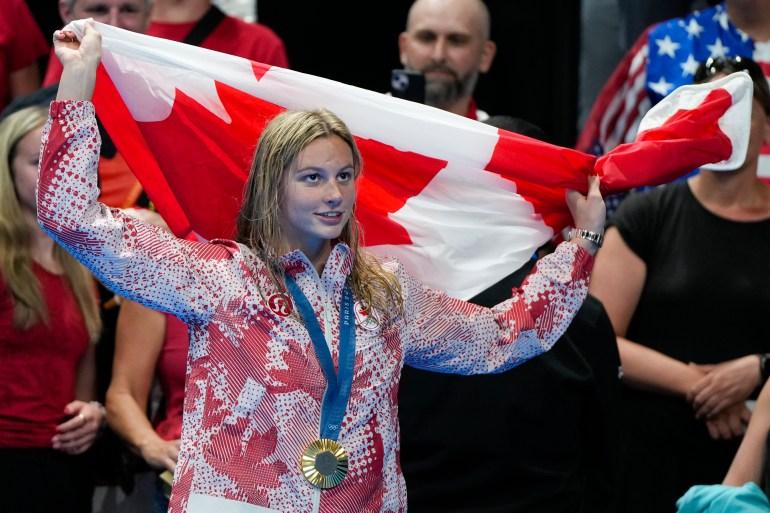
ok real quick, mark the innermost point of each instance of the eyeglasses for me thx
(726, 65)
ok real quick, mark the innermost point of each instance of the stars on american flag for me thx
(667, 47)
(718, 49)
(693, 28)
(677, 47)
(690, 66)
(691, 39)
(720, 16)
(661, 86)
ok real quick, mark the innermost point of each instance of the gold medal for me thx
(324, 463)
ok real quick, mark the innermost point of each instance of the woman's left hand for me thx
(724, 384)
(588, 212)
(77, 434)
(79, 58)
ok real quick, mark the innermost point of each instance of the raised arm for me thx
(448, 335)
(134, 259)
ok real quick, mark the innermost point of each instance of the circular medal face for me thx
(280, 304)
(324, 463)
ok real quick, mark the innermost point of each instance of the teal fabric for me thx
(748, 498)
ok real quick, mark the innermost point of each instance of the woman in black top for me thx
(684, 277)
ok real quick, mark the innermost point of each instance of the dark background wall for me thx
(534, 75)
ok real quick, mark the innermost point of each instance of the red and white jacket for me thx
(254, 387)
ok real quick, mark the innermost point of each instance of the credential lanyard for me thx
(335, 400)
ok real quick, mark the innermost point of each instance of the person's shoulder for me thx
(240, 28)
(239, 258)
(667, 196)
(683, 23)
(231, 247)
(252, 41)
(642, 217)
(394, 267)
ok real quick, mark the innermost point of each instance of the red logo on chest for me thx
(280, 304)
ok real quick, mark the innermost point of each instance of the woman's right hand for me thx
(71, 51)
(159, 453)
(730, 423)
(80, 59)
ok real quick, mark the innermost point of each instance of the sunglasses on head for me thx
(726, 65)
(714, 66)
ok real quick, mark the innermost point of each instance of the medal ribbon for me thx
(337, 393)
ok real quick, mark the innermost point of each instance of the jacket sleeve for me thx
(136, 260)
(444, 334)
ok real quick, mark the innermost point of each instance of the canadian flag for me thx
(460, 203)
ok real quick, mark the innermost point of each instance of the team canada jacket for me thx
(254, 386)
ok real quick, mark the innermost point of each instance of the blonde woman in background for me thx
(49, 323)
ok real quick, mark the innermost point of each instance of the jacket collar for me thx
(337, 268)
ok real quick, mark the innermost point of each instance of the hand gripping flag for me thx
(460, 203)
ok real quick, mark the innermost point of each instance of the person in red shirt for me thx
(448, 41)
(191, 21)
(126, 14)
(176, 20)
(21, 45)
(48, 323)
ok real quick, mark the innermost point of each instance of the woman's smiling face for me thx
(319, 191)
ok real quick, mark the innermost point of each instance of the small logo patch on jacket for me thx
(366, 318)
